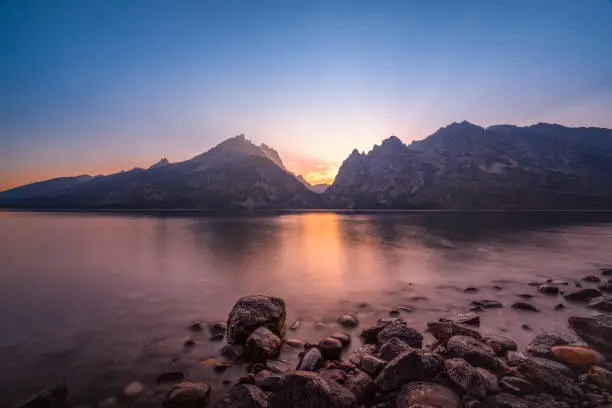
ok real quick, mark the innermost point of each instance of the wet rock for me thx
(526, 327)
(427, 394)
(271, 382)
(487, 304)
(409, 366)
(577, 356)
(605, 287)
(606, 271)
(196, 326)
(333, 374)
(308, 390)
(251, 312)
(583, 294)
(470, 289)
(295, 325)
(370, 334)
(222, 365)
(601, 303)
(400, 330)
(372, 365)
(394, 312)
(259, 377)
(554, 365)
(187, 395)
(134, 388)
(52, 397)
(348, 320)
(217, 337)
(490, 380)
(171, 376)
(189, 343)
(524, 306)
(243, 396)
(356, 356)
(466, 377)
(534, 283)
(474, 352)
(509, 401)
(595, 330)
(470, 318)
(262, 344)
(392, 348)
(345, 338)
(445, 329)
(278, 366)
(548, 289)
(500, 344)
(525, 295)
(592, 278)
(541, 344)
(497, 287)
(295, 343)
(217, 328)
(560, 306)
(361, 385)
(601, 377)
(311, 360)
(232, 352)
(549, 379)
(517, 385)
(514, 357)
(331, 348)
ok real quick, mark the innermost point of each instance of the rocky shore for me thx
(389, 365)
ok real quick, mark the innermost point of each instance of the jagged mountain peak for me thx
(163, 162)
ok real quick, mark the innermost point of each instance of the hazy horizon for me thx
(97, 87)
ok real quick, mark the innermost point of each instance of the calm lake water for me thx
(103, 299)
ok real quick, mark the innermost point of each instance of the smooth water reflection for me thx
(103, 299)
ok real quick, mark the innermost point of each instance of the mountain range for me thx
(459, 167)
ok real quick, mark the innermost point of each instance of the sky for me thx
(97, 86)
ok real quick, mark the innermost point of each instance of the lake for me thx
(103, 299)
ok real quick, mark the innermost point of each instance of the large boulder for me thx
(243, 396)
(400, 330)
(262, 344)
(550, 379)
(542, 344)
(466, 377)
(475, 352)
(595, 330)
(308, 390)
(411, 365)
(252, 312)
(427, 394)
(188, 395)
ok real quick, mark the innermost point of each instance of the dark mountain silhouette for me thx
(234, 175)
(43, 188)
(467, 167)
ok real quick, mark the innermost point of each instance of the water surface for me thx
(101, 299)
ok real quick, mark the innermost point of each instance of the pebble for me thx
(134, 388)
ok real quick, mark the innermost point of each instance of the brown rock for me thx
(577, 356)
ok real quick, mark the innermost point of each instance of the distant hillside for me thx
(234, 175)
(44, 188)
(467, 167)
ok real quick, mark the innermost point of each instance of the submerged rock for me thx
(427, 394)
(262, 344)
(577, 356)
(541, 344)
(595, 330)
(348, 320)
(601, 303)
(187, 395)
(251, 312)
(605, 287)
(308, 390)
(243, 396)
(583, 294)
(525, 306)
(592, 278)
(470, 318)
(411, 365)
(548, 289)
(487, 304)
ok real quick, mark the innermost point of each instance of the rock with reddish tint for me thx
(308, 390)
(392, 348)
(188, 395)
(356, 356)
(331, 348)
(500, 344)
(443, 330)
(518, 385)
(550, 379)
(601, 377)
(345, 338)
(506, 400)
(490, 380)
(464, 375)
(409, 366)
(583, 295)
(548, 289)
(251, 312)
(311, 360)
(487, 304)
(400, 330)
(475, 352)
(541, 344)
(592, 279)
(595, 330)
(469, 318)
(427, 394)
(577, 356)
(361, 385)
(372, 365)
(262, 344)
(232, 352)
(348, 320)
(242, 396)
(370, 334)
(333, 374)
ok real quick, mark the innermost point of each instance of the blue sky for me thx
(96, 86)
